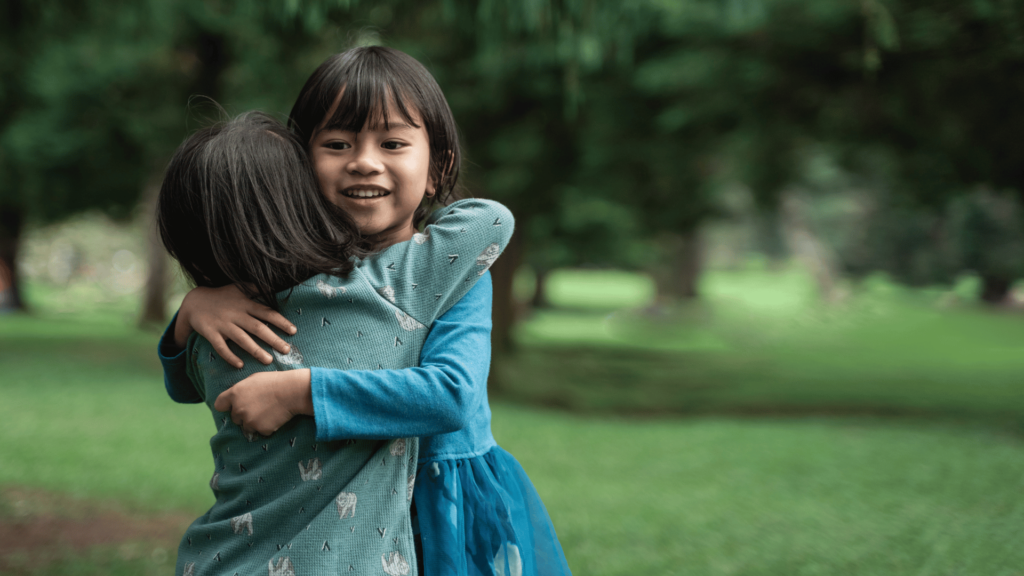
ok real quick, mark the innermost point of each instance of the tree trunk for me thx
(995, 290)
(769, 237)
(540, 289)
(504, 309)
(680, 273)
(154, 297)
(809, 249)
(12, 222)
(688, 265)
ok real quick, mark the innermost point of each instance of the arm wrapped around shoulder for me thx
(427, 275)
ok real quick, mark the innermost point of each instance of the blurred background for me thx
(761, 314)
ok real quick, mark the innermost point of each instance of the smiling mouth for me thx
(364, 192)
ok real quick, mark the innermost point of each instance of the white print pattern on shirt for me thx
(251, 436)
(190, 569)
(395, 565)
(412, 484)
(214, 480)
(408, 323)
(282, 568)
(329, 291)
(311, 471)
(291, 358)
(421, 238)
(243, 523)
(488, 256)
(346, 502)
(388, 292)
(515, 561)
(398, 447)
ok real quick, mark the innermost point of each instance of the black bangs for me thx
(365, 98)
(368, 79)
(377, 84)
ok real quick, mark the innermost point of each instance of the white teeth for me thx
(365, 193)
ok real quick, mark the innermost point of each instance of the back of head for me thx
(240, 204)
(376, 82)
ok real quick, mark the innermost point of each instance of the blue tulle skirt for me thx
(481, 516)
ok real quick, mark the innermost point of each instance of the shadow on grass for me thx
(44, 533)
(755, 384)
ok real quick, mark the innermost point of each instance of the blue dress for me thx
(477, 513)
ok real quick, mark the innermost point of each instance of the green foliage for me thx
(98, 100)
(605, 126)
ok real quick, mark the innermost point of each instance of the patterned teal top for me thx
(292, 506)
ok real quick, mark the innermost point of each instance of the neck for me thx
(390, 237)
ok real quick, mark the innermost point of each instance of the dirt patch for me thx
(38, 527)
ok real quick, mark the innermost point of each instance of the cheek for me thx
(418, 170)
(321, 174)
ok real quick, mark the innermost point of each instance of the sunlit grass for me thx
(935, 491)
(761, 341)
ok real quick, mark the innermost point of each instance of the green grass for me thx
(132, 559)
(721, 496)
(84, 412)
(805, 488)
(760, 342)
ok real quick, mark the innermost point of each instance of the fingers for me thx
(266, 430)
(221, 347)
(245, 342)
(223, 402)
(276, 318)
(263, 332)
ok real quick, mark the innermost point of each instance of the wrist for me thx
(300, 392)
(181, 330)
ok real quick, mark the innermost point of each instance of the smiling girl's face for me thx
(378, 175)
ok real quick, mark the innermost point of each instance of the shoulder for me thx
(474, 208)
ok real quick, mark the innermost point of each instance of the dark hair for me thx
(371, 76)
(240, 204)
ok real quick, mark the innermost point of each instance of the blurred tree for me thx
(87, 112)
(920, 101)
(95, 98)
(987, 233)
(608, 128)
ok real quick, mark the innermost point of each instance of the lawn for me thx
(761, 342)
(757, 434)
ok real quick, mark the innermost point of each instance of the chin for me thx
(369, 228)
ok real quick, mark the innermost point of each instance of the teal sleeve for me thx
(175, 364)
(439, 396)
(426, 276)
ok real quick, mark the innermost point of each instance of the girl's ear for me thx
(431, 184)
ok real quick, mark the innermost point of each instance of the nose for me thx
(365, 161)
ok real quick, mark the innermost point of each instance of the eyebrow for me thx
(393, 126)
(379, 127)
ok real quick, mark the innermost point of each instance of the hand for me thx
(265, 401)
(225, 313)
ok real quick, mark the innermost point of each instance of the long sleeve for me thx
(425, 276)
(435, 398)
(175, 363)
